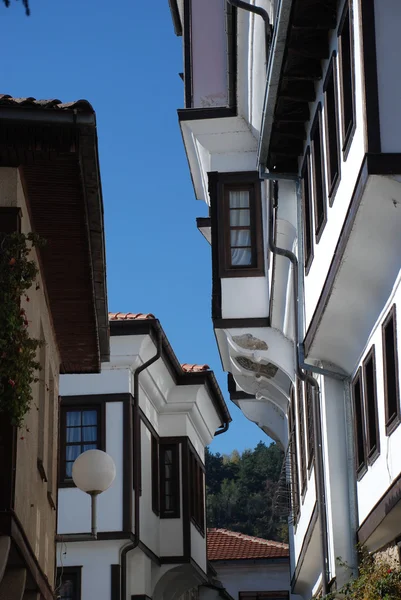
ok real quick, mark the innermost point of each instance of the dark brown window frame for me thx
(271, 595)
(302, 437)
(331, 128)
(155, 460)
(246, 181)
(370, 406)
(317, 164)
(309, 423)
(176, 511)
(346, 55)
(393, 419)
(197, 492)
(307, 213)
(359, 426)
(63, 481)
(292, 434)
(75, 572)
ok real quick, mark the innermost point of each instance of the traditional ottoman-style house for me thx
(154, 417)
(50, 185)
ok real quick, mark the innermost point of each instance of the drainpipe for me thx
(257, 10)
(223, 429)
(300, 365)
(137, 465)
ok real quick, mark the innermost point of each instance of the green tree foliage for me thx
(25, 4)
(240, 491)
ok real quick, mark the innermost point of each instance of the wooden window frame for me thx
(247, 181)
(360, 466)
(307, 212)
(370, 406)
(176, 511)
(310, 423)
(71, 571)
(392, 420)
(295, 497)
(63, 481)
(347, 104)
(332, 129)
(302, 438)
(155, 466)
(319, 180)
(197, 492)
(271, 595)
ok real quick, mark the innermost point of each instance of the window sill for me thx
(361, 472)
(66, 483)
(392, 425)
(373, 456)
(251, 272)
(320, 229)
(334, 188)
(348, 140)
(42, 470)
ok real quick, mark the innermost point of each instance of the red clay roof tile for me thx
(229, 545)
(53, 104)
(120, 316)
(194, 368)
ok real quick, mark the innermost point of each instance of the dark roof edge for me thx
(247, 561)
(207, 378)
(89, 161)
(175, 15)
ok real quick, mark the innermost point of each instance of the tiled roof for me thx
(120, 316)
(194, 368)
(54, 103)
(229, 545)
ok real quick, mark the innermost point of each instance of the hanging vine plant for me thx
(19, 367)
(378, 579)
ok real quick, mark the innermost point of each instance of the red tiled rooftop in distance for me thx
(120, 316)
(51, 104)
(194, 368)
(229, 545)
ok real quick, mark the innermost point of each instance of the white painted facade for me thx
(351, 281)
(238, 576)
(176, 407)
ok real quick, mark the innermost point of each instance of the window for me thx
(310, 434)
(169, 481)
(301, 421)
(69, 583)
(81, 430)
(155, 476)
(359, 429)
(333, 162)
(347, 76)
(372, 425)
(307, 214)
(390, 364)
(43, 441)
(293, 458)
(197, 485)
(240, 225)
(319, 196)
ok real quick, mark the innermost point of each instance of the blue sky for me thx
(125, 58)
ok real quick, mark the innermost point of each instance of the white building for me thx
(291, 128)
(154, 417)
(249, 568)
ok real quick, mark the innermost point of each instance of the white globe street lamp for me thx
(93, 472)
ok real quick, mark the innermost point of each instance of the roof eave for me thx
(175, 15)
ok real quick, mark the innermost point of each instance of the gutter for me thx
(136, 462)
(274, 67)
(257, 10)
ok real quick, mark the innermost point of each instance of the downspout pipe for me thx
(257, 10)
(137, 464)
(319, 464)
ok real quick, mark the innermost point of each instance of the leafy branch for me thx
(18, 351)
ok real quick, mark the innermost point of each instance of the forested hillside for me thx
(240, 491)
